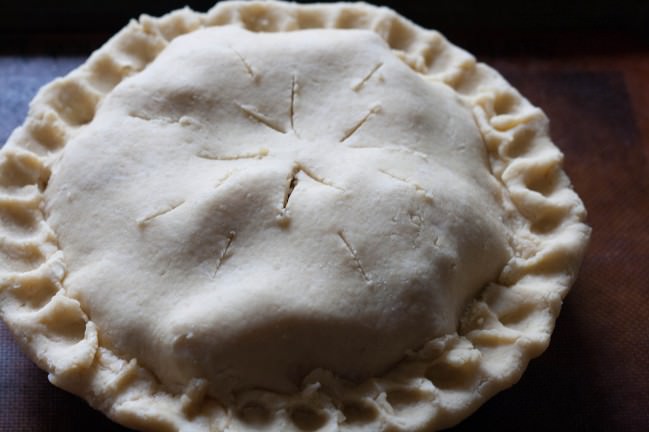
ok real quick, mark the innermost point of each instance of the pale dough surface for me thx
(201, 265)
(275, 216)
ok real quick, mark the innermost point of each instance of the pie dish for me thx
(275, 216)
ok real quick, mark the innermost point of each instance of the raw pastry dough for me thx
(278, 216)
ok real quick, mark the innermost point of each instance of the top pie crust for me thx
(284, 217)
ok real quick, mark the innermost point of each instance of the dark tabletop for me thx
(595, 374)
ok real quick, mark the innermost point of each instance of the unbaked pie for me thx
(284, 217)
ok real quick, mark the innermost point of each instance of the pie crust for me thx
(274, 216)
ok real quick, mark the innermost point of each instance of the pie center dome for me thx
(252, 208)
